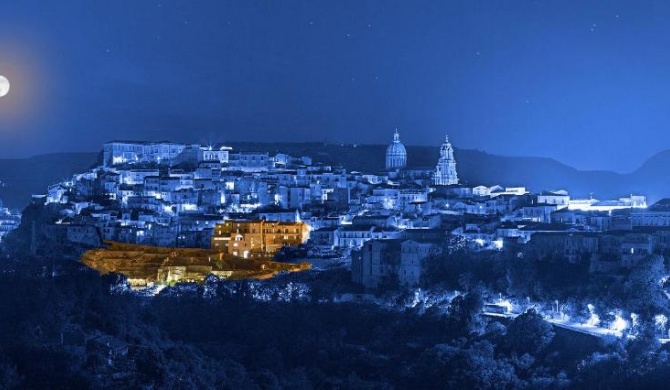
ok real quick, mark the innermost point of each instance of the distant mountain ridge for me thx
(23, 177)
(33, 175)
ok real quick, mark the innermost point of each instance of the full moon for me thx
(4, 86)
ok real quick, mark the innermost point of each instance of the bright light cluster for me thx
(619, 324)
(594, 319)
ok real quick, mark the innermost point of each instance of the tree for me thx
(644, 288)
(529, 333)
(485, 371)
(466, 309)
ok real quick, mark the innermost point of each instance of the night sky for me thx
(585, 82)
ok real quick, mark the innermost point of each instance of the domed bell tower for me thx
(445, 171)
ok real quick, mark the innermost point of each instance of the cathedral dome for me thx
(396, 155)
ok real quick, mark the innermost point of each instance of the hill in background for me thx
(23, 177)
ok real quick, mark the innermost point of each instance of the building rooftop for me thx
(358, 228)
(326, 229)
(547, 227)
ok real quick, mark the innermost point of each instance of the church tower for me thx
(445, 171)
(396, 155)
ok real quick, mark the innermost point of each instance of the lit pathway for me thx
(573, 326)
(583, 328)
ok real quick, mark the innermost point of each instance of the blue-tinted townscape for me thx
(334, 195)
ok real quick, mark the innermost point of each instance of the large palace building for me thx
(257, 238)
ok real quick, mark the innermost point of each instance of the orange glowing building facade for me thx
(257, 238)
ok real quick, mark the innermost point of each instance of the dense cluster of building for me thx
(252, 204)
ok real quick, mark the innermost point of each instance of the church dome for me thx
(396, 155)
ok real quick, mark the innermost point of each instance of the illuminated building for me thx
(294, 197)
(275, 213)
(657, 215)
(325, 238)
(559, 198)
(538, 212)
(445, 171)
(146, 265)
(133, 152)
(631, 202)
(220, 154)
(249, 161)
(208, 170)
(137, 176)
(355, 236)
(397, 197)
(396, 155)
(8, 221)
(257, 238)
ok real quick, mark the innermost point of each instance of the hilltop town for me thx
(388, 223)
